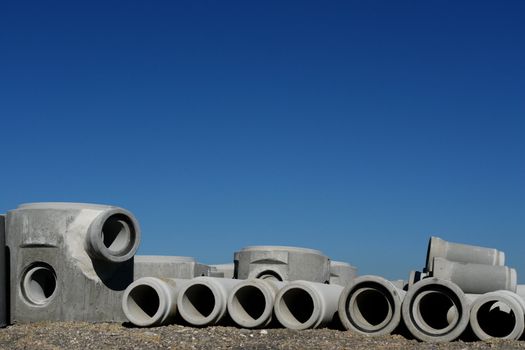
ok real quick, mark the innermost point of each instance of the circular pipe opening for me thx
(143, 303)
(496, 319)
(118, 234)
(270, 275)
(248, 304)
(39, 283)
(198, 303)
(436, 311)
(296, 306)
(369, 309)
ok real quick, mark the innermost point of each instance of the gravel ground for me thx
(79, 335)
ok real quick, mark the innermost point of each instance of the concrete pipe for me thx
(151, 301)
(302, 304)
(250, 303)
(438, 247)
(476, 278)
(203, 301)
(371, 305)
(435, 310)
(498, 314)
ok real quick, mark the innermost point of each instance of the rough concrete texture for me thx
(222, 270)
(303, 304)
(69, 261)
(282, 264)
(342, 273)
(3, 276)
(168, 267)
(371, 305)
(476, 278)
(458, 252)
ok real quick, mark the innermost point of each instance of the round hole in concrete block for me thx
(39, 283)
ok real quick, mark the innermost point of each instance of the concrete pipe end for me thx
(114, 236)
(145, 302)
(297, 306)
(435, 310)
(250, 303)
(200, 302)
(39, 284)
(371, 306)
(497, 315)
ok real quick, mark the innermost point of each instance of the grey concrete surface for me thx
(250, 304)
(222, 270)
(69, 261)
(203, 301)
(280, 263)
(476, 278)
(151, 301)
(435, 310)
(371, 305)
(168, 267)
(303, 304)
(498, 314)
(458, 252)
(342, 273)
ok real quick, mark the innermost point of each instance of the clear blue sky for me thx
(359, 128)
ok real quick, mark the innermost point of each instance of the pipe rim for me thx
(420, 328)
(281, 309)
(243, 319)
(492, 298)
(356, 321)
(144, 320)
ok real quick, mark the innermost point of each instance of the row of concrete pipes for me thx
(433, 309)
(74, 261)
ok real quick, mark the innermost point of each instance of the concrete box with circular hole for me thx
(168, 267)
(282, 264)
(69, 261)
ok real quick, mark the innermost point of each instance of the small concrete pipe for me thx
(203, 301)
(250, 303)
(476, 278)
(151, 301)
(438, 247)
(303, 304)
(371, 305)
(435, 310)
(498, 314)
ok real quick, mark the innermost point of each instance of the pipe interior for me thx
(436, 309)
(296, 305)
(143, 302)
(249, 303)
(39, 283)
(198, 301)
(118, 234)
(370, 308)
(496, 319)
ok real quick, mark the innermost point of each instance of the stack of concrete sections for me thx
(72, 261)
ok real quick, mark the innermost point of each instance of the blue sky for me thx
(359, 128)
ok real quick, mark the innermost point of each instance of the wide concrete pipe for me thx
(203, 301)
(250, 304)
(371, 305)
(498, 314)
(438, 247)
(151, 301)
(435, 310)
(303, 304)
(476, 278)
